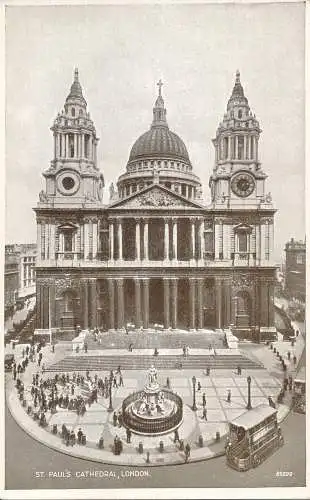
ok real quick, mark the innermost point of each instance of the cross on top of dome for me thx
(159, 84)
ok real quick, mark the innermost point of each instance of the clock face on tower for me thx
(68, 182)
(243, 184)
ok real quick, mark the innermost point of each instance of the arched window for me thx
(240, 147)
(240, 113)
(225, 148)
(72, 111)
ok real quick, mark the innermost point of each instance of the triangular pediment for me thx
(157, 197)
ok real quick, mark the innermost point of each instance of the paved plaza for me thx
(97, 422)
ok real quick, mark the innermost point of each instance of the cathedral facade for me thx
(156, 253)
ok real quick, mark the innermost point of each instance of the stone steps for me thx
(168, 362)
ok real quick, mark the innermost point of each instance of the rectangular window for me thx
(68, 240)
(242, 242)
(299, 259)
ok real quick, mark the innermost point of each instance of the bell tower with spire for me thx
(237, 180)
(73, 177)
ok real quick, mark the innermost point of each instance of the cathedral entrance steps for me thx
(161, 340)
(143, 362)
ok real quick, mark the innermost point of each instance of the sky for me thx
(121, 52)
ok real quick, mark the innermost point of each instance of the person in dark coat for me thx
(79, 435)
(229, 396)
(204, 402)
(187, 452)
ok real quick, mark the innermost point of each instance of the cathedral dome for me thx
(159, 141)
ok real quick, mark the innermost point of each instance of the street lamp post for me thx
(194, 407)
(249, 406)
(110, 409)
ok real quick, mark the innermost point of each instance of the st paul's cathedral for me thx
(156, 253)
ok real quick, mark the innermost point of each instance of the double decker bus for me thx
(253, 437)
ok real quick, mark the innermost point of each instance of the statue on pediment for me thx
(43, 196)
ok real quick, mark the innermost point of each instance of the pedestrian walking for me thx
(168, 383)
(53, 348)
(289, 355)
(204, 413)
(198, 386)
(204, 402)
(239, 371)
(176, 436)
(184, 351)
(79, 435)
(208, 371)
(121, 381)
(128, 435)
(187, 452)
(294, 360)
(228, 396)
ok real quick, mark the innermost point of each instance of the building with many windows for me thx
(295, 263)
(157, 253)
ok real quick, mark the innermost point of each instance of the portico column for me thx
(218, 291)
(111, 240)
(201, 239)
(174, 286)
(93, 302)
(111, 288)
(200, 302)
(138, 301)
(192, 303)
(138, 256)
(86, 240)
(193, 240)
(146, 302)
(46, 252)
(146, 240)
(120, 303)
(85, 294)
(175, 238)
(52, 242)
(95, 239)
(166, 241)
(227, 304)
(120, 239)
(166, 302)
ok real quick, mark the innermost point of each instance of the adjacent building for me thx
(295, 263)
(156, 253)
(19, 274)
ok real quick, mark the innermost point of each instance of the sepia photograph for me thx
(154, 250)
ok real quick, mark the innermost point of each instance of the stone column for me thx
(67, 146)
(111, 240)
(174, 286)
(95, 239)
(146, 240)
(75, 145)
(192, 303)
(201, 239)
(52, 242)
(138, 301)
(229, 147)
(236, 146)
(263, 241)
(86, 301)
(120, 239)
(93, 303)
(120, 303)
(166, 240)
(218, 291)
(52, 312)
(227, 304)
(175, 239)
(138, 235)
(86, 240)
(39, 240)
(200, 283)
(82, 145)
(146, 302)
(166, 302)
(111, 289)
(46, 250)
(193, 239)
(63, 145)
(216, 240)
